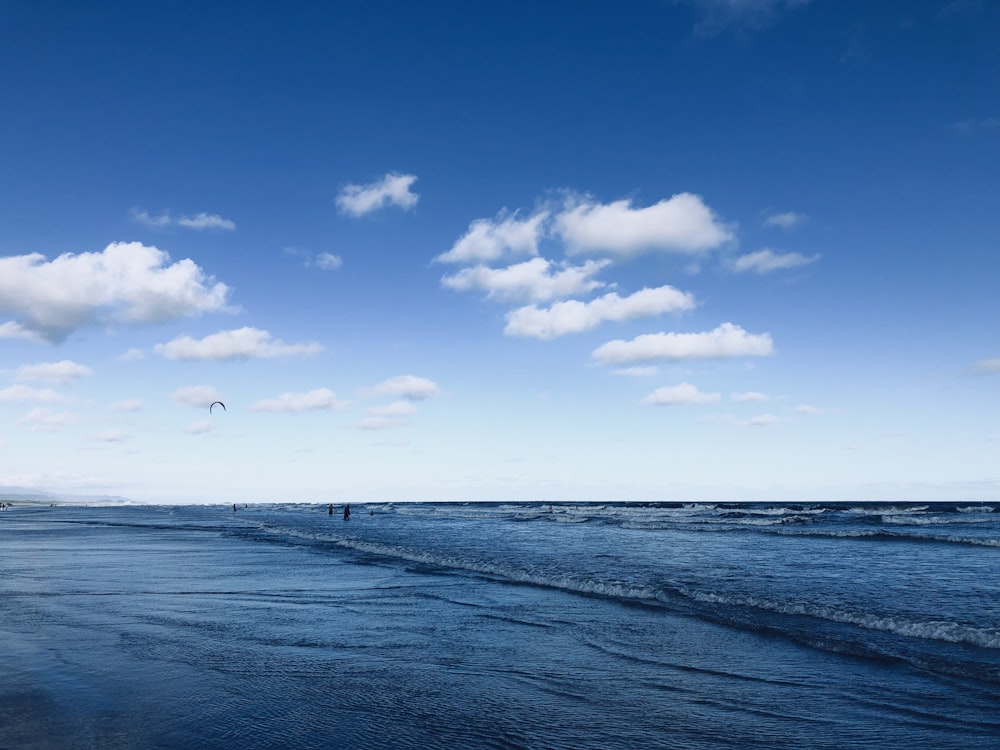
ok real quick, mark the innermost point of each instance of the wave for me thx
(934, 630)
(930, 520)
(800, 527)
(909, 626)
(891, 536)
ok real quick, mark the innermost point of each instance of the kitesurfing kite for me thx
(214, 403)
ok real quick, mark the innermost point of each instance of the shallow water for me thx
(500, 626)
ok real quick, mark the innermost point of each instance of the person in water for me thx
(347, 512)
(329, 511)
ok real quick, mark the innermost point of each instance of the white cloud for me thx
(240, 343)
(532, 280)
(320, 399)
(397, 409)
(765, 261)
(127, 282)
(197, 221)
(637, 372)
(573, 316)
(132, 355)
(682, 224)
(727, 340)
(742, 15)
(142, 216)
(44, 419)
(785, 220)
(487, 240)
(324, 261)
(63, 372)
(12, 330)
(748, 396)
(405, 386)
(329, 261)
(206, 221)
(131, 404)
(393, 189)
(985, 366)
(200, 396)
(684, 393)
(19, 394)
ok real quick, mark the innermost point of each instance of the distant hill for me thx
(29, 495)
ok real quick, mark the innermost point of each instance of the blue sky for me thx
(654, 250)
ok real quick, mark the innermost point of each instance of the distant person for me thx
(347, 512)
(234, 507)
(329, 511)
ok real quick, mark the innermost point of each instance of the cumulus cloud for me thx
(241, 343)
(533, 280)
(404, 386)
(681, 224)
(323, 261)
(127, 282)
(62, 372)
(320, 399)
(393, 189)
(727, 340)
(43, 419)
(132, 355)
(12, 330)
(785, 220)
(487, 240)
(329, 261)
(206, 221)
(196, 221)
(19, 394)
(684, 393)
(199, 396)
(765, 261)
(142, 216)
(573, 316)
(131, 404)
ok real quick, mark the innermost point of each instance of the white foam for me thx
(939, 630)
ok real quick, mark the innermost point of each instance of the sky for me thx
(655, 250)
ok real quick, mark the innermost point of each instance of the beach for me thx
(497, 626)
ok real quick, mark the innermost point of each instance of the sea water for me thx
(500, 626)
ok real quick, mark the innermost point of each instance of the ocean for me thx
(501, 626)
